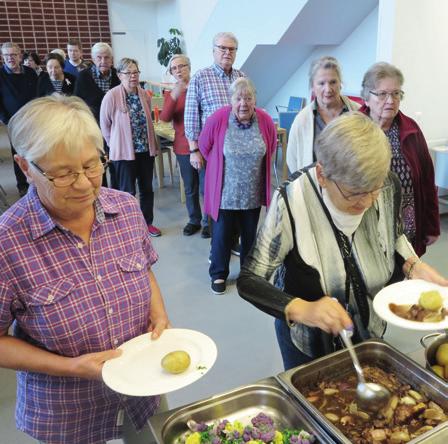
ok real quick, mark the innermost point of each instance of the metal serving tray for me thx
(371, 352)
(241, 404)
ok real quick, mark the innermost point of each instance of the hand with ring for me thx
(196, 160)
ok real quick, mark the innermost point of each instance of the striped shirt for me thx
(70, 299)
(208, 91)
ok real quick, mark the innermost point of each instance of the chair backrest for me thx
(357, 99)
(285, 119)
(296, 103)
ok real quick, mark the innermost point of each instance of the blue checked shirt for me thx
(208, 91)
(103, 82)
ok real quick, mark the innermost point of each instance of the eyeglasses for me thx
(383, 95)
(12, 55)
(130, 74)
(69, 179)
(231, 49)
(177, 68)
(356, 197)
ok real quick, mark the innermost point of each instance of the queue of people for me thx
(356, 214)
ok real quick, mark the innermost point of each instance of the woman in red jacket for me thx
(411, 161)
(173, 110)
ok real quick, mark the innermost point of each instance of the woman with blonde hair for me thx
(325, 82)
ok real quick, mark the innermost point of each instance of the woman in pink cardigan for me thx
(126, 124)
(237, 142)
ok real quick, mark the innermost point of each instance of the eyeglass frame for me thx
(223, 49)
(129, 74)
(400, 95)
(356, 197)
(178, 67)
(14, 55)
(75, 175)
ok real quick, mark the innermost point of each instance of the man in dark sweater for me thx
(18, 85)
(94, 82)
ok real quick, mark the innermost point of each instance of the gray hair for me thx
(354, 151)
(59, 51)
(185, 58)
(53, 121)
(125, 62)
(325, 62)
(8, 45)
(225, 35)
(379, 71)
(99, 47)
(242, 84)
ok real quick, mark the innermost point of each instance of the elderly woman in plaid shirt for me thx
(75, 280)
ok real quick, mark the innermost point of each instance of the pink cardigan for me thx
(116, 124)
(211, 144)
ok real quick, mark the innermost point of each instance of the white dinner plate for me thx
(408, 292)
(138, 371)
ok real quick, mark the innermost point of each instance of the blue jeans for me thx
(224, 236)
(291, 355)
(193, 184)
(140, 170)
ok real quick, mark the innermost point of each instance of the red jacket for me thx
(174, 110)
(416, 153)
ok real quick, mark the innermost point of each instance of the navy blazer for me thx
(90, 92)
(46, 88)
(15, 91)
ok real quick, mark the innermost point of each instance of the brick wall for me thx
(43, 25)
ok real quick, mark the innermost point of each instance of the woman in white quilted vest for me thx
(325, 79)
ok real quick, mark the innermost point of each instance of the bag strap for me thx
(352, 272)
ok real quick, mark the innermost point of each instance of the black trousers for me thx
(140, 170)
(224, 236)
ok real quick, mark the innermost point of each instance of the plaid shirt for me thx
(72, 299)
(208, 91)
(103, 82)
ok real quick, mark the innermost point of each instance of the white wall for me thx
(253, 22)
(355, 54)
(139, 21)
(418, 46)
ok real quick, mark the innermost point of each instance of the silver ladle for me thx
(370, 396)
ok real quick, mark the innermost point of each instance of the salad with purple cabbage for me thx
(261, 430)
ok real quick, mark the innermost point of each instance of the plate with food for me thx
(150, 367)
(413, 304)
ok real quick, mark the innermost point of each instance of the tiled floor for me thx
(247, 349)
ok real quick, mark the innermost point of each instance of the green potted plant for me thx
(169, 47)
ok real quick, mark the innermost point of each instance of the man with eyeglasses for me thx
(207, 92)
(92, 85)
(18, 85)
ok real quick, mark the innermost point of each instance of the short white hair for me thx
(353, 150)
(8, 45)
(242, 85)
(52, 122)
(100, 47)
(59, 51)
(184, 57)
(225, 35)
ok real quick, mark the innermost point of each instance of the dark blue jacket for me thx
(15, 91)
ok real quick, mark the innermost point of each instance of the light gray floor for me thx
(247, 349)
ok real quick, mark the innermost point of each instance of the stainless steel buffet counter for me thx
(280, 397)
